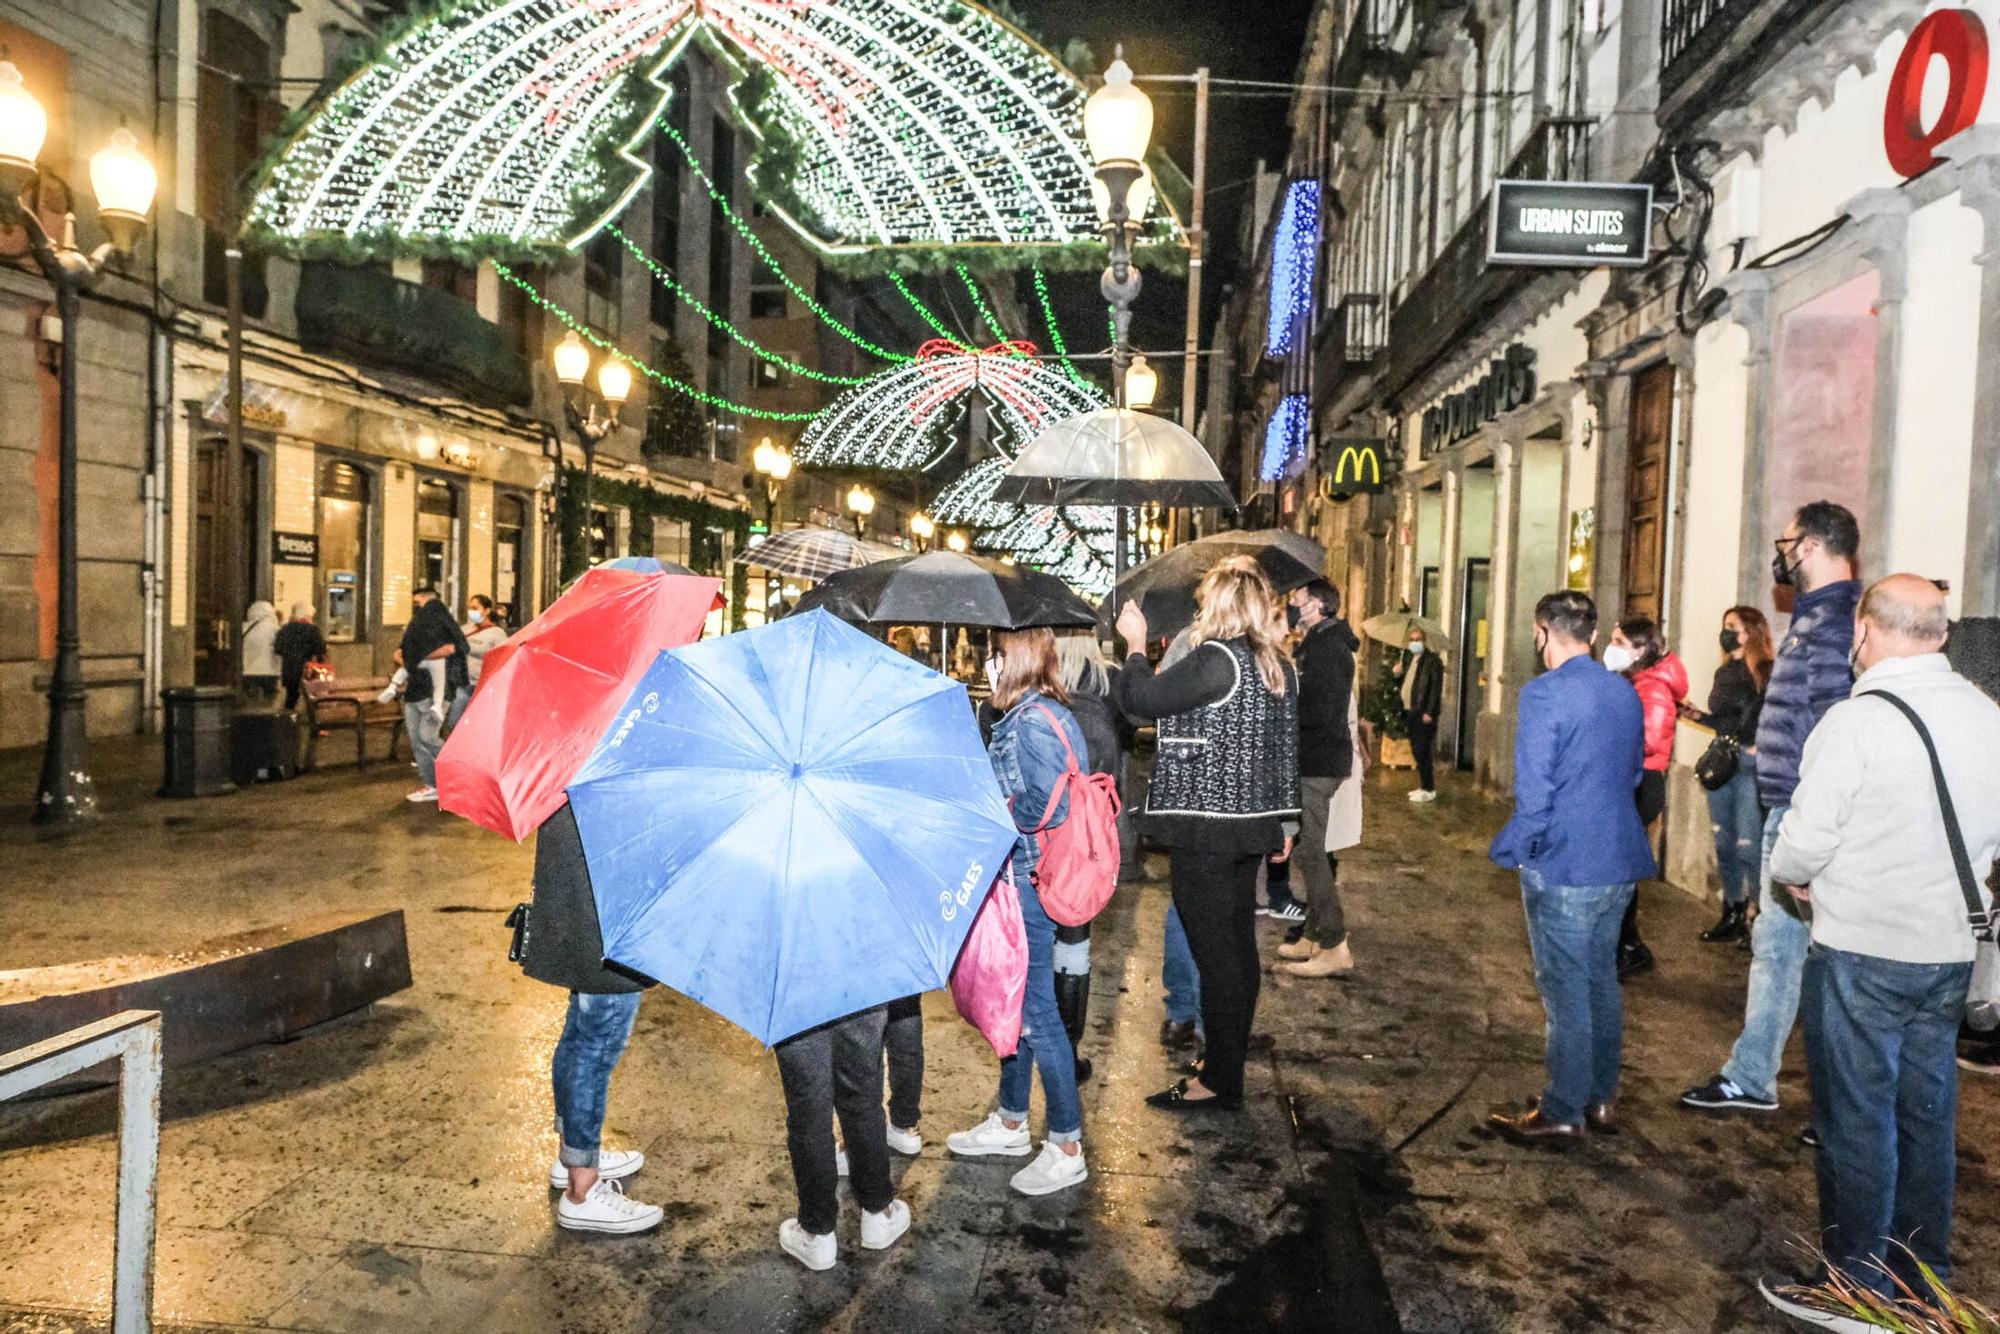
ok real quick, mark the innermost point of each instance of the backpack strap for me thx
(1976, 914)
(1056, 792)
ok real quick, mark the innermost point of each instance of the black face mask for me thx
(1291, 616)
(1731, 641)
(1781, 573)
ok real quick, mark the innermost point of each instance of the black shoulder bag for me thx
(1719, 763)
(1976, 915)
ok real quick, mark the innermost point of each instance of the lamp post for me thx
(923, 528)
(614, 386)
(861, 502)
(124, 182)
(773, 463)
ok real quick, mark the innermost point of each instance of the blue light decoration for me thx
(1294, 253)
(1285, 438)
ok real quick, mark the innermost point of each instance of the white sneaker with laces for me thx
(1422, 794)
(879, 1231)
(606, 1209)
(423, 794)
(991, 1136)
(1052, 1171)
(816, 1253)
(612, 1165)
(906, 1142)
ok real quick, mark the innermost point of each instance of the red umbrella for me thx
(547, 695)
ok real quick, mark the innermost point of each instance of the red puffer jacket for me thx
(1661, 688)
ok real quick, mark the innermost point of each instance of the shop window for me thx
(448, 275)
(510, 551)
(343, 499)
(437, 539)
(722, 238)
(603, 275)
(520, 318)
(769, 375)
(672, 540)
(768, 297)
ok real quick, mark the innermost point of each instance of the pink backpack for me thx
(1077, 871)
(990, 979)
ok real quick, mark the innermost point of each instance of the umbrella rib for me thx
(844, 742)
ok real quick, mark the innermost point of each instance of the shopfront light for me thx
(426, 446)
(1142, 384)
(124, 182)
(572, 360)
(957, 542)
(23, 128)
(1118, 118)
(614, 381)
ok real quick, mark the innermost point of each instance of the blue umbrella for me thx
(791, 824)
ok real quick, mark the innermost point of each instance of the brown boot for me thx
(1297, 949)
(1336, 962)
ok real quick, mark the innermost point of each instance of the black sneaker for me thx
(1983, 1059)
(1290, 912)
(1720, 1094)
(1809, 1137)
(1633, 960)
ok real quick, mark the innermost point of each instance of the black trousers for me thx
(1216, 896)
(1651, 798)
(904, 1039)
(1423, 745)
(836, 1067)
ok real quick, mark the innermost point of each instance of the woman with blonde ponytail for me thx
(1225, 795)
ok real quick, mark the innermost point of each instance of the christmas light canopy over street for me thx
(1114, 456)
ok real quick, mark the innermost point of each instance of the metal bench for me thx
(349, 702)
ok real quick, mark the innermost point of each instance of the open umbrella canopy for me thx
(1165, 585)
(1393, 628)
(812, 553)
(1114, 456)
(547, 694)
(947, 588)
(790, 824)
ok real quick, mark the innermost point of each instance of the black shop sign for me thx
(1509, 383)
(295, 548)
(1576, 224)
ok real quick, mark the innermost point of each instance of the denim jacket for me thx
(1029, 759)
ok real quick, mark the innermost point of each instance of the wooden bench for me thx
(349, 702)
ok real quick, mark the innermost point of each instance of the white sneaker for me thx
(1422, 794)
(423, 794)
(815, 1253)
(990, 1137)
(612, 1165)
(606, 1209)
(1051, 1172)
(879, 1231)
(906, 1142)
(839, 1161)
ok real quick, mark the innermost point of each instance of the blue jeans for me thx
(593, 1038)
(1044, 1041)
(1738, 820)
(420, 720)
(1178, 973)
(1881, 1061)
(1778, 943)
(1573, 931)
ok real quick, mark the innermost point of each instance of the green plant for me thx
(1935, 1310)
(1382, 699)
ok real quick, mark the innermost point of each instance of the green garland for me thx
(706, 526)
(925, 312)
(1055, 332)
(979, 304)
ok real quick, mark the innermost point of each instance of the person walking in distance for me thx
(1576, 839)
(1637, 653)
(1423, 699)
(483, 630)
(1029, 758)
(297, 643)
(430, 637)
(1734, 701)
(1892, 825)
(1325, 658)
(261, 667)
(1225, 794)
(1810, 674)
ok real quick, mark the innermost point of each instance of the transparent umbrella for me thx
(1114, 456)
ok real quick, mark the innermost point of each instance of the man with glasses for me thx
(1816, 557)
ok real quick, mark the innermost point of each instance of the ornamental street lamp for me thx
(124, 183)
(614, 386)
(861, 501)
(1142, 384)
(923, 528)
(773, 463)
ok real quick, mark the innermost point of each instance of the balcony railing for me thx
(1707, 43)
(1364, 327)
(380, 321)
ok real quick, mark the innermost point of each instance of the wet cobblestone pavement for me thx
(386, 1172)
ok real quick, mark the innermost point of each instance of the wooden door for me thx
(1649, 447)
(213, 616)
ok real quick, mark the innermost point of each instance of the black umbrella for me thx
(1165, 585)
(946, 588)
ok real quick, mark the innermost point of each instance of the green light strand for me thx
(744, 230)
(1111, 324)
(925, 312)
(667, 280)
(979, 304)
(590, 335)
(1055, 333)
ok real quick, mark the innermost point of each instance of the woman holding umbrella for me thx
(1225, 794)
(1029, 757)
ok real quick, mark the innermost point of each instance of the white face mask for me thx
(475, 616)
(992, 674)
(1416, 646)
(1618, 658)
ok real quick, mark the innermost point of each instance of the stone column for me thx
(1750, 306)
(1975, 157)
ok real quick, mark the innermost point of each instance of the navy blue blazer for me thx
(1578, 754)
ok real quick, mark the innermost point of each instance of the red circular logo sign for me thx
(1959, 38)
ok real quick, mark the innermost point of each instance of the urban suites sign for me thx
(1509, 383)
(1569, 224)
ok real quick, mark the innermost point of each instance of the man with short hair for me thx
(1575, 837)
(297, 643)
(1325, 659)
(432, 634)
(1867, 846)
(1810, 675)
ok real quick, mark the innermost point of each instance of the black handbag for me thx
(1719, 763)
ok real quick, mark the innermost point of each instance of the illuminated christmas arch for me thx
(513, 125)
(1074, 543)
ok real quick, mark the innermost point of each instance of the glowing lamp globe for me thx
(1142, 384)
(922, 526)
(23, 127)
(957, 542)
(1118, 118)
(861, 500)
(572, 359)
(124, 182)
(614, 381)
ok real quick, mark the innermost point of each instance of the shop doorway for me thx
(510, 552)
(1472, 631)
(1649, 447)
(439, 541)
(215, 618)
